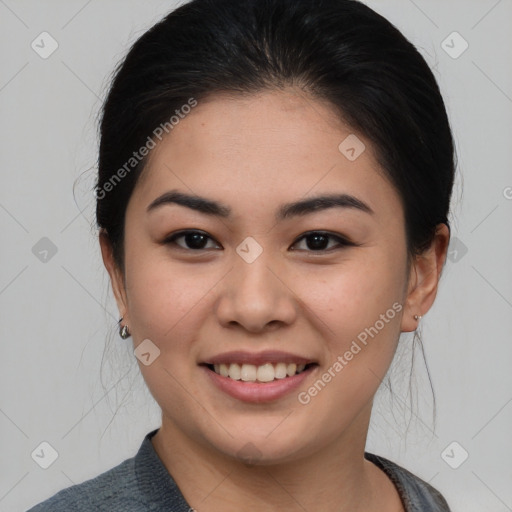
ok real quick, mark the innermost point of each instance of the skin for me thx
(253, 154)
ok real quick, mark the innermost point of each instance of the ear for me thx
(116, 275)
(424, 278)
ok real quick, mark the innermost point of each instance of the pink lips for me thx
(257, 392)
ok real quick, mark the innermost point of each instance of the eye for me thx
(193, 240)
(319, 241)
(316, 241)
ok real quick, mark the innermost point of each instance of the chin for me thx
(263, 444)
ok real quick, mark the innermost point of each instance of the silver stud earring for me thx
(123, 330)
(417, 317)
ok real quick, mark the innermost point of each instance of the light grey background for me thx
(58, 315)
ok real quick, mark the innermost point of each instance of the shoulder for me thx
(115, 489)
(416, 494)
(141, 483)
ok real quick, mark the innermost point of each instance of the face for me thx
(238, 273)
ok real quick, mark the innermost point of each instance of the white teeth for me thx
(264, 373)
(291, 369)
(224, 371)
(234, 371)
(248, 372)
(280, 371)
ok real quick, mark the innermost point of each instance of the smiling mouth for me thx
(267, 372)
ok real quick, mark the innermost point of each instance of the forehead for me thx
(262, 147)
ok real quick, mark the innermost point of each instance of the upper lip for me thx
(257, 358)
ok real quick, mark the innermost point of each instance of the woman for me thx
(273, 191)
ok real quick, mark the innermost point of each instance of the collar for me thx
(154, 482)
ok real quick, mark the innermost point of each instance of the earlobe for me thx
(116, 277)
(424, 279)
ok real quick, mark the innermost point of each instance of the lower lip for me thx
(257, 392)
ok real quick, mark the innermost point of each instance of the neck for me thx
(334, 478)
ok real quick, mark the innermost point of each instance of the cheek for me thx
(358, 311)
(163, 298)
(165, 307)
(351, 297)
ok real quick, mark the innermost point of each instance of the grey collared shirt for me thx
(142, 483)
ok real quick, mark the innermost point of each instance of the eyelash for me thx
(342, 242)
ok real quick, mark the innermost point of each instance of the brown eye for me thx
(192, 240)
(320, 240)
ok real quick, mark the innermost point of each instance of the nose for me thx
(256, 296)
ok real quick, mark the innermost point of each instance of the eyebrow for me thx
(286, 211)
